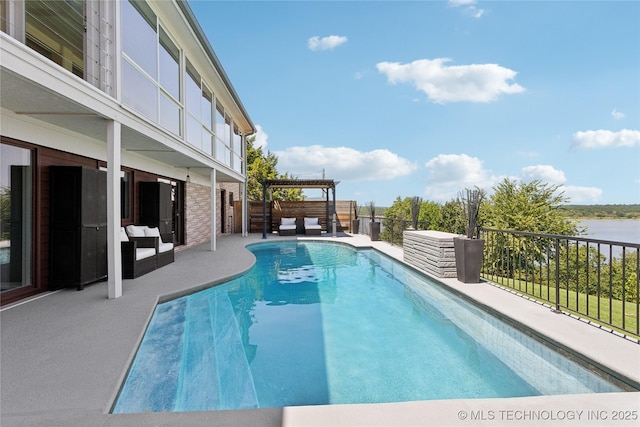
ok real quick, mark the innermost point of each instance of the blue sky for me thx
(426, 98)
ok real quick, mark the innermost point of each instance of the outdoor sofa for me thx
(287, 227)
(139, 256)
(144, 249)
(312, 226)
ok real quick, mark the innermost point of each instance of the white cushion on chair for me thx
(151, 232)
(311, 223)
(135, 230)
(142, 253)
(288, 221)
(154, 232)
(123, 235)
(165, 247)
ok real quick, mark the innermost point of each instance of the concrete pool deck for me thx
(65, 354)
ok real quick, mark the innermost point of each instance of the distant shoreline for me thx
(599, 218)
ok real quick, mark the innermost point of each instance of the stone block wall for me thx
(430, 251)
(197, 214)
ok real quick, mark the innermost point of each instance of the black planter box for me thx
(374, 231)
(469, 254)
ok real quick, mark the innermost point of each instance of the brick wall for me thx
(197, 214)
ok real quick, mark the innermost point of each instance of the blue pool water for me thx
(321, 323)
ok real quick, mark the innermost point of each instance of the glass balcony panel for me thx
(138, 92)
(170, 114)
(194, 132)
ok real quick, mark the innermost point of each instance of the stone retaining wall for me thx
(430, 251)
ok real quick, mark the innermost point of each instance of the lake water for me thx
(626, 231)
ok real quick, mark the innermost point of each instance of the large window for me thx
(153, 68)
(199, 101)
(223, 137)
(170, 110)
(150, 67)
(237, 151)
(3, 17)
(194, 107)
(16, 213)
(55, 29)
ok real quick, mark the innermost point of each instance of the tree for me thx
(532, 207)
(261, 167)
(451, 218)
(398, 217)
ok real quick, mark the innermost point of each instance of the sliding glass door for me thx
(16, 213)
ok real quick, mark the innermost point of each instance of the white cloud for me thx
(457, 83)
(528, 153)
(606, 138)
(325, 43)
(469, 7)
(618, 115)
(544, 173)
(344, 163)
(261, 138)
(581, 195)
(451, 173)
(456, 3)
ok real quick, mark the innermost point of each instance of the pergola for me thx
(325, 184)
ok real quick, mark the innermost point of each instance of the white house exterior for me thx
(130, 87)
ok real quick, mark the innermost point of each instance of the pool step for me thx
(215, 373)
(235, 379)
(198, 382)
(144, 390)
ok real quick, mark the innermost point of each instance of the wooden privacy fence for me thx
(298, 210)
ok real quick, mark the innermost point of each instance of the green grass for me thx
(580, 304)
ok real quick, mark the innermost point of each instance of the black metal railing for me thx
(595, 279)
(392, 229)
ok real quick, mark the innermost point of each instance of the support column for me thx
(114, 253)
(243, 197)
(335, 219)
(214, 210)
(264, 210)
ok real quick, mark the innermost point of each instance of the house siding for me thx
(81, 136)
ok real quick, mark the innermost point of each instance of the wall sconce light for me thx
(188, 176)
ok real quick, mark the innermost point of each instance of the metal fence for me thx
(392, 228)
(595, 279)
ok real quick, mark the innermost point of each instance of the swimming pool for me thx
(322, 323)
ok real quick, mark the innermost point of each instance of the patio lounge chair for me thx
(139, 255)
(312, 227)
(165, 245)
(287, 227)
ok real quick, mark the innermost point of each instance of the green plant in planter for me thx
(470, 203)
(469, 251)
(416, 203)
(371, 207)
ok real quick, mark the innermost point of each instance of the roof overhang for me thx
(300, 183)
